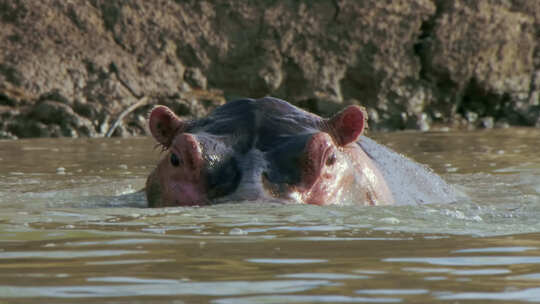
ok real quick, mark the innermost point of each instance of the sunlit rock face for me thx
(413, 64)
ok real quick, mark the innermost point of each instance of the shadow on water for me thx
(73, 231)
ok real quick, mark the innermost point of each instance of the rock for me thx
(7, 135)
(483, 55)
(471, 116)
(31, 128)
(428, 59)
(420, 121)
(502, 124)
(52, 112)
(487, 122)
(195, 78)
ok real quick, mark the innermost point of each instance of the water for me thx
(70, 234)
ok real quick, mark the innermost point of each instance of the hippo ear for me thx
(347, 125)
(164, 125)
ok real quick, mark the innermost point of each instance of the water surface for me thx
(69, 234)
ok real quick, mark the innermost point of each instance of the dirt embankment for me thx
(74, 68)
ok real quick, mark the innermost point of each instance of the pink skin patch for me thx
(184, 173)
(321, 167)
(313, 162)
(185, 194)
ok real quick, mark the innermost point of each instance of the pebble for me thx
(61, 170)
(487, 122)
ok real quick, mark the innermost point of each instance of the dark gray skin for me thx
(270, 150)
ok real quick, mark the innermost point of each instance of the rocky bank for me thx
(96, 67)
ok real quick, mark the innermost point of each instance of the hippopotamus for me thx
(269, 150)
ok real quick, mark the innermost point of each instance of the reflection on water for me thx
(73, 231)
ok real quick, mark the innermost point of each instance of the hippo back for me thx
(409, 181)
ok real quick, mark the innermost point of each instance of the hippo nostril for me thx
(331, 159)
(174, 160)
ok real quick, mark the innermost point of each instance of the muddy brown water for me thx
(70, 234)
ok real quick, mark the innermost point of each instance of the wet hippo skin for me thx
(270, 150)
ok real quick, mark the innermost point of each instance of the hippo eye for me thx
(331, 159)
(174, 160)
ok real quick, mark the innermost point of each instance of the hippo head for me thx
(266, 150)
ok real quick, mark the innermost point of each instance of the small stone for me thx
(487, 122)
(195, 78)
(423, 122)
(373, 115)
(502, 124)
(471, 116)
(7, 135)
(61, 170)
(419, 121)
